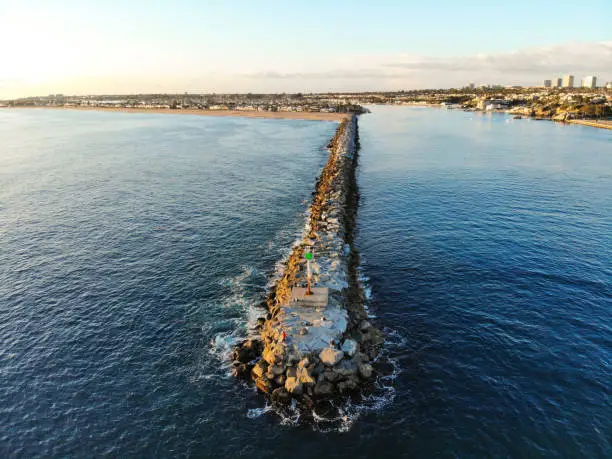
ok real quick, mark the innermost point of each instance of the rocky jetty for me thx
(313, 349)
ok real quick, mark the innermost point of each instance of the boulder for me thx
(304, 376)
(269, 356)
(273, 354)
(304, 362)
(348, 385)
(330, 375)
(293, 386)
(324, 389)
(242, 370)
(307, 402)
(365, 370)
(349, 347)
(264, 384)
(247, 351)
(330, 356)
(346, 368)
(365, 325)
(281, 396)
(384, 367)
(291, 372)
(259, 369)
(318, 368)
(276, 369)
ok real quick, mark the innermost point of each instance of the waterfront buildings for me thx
(548, 83)
(559, 83)
(568, 81)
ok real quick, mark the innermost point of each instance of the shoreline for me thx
(601, 124)
(310, 116)
(311, 354)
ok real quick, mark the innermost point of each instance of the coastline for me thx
(602, 124)
(311, 116)
(311, 354)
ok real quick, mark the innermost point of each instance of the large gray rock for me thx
(348, 385)
(330, 375)
(247, 351)
(281, 396)
(276, 369)
(346, 368)
(330, 356)
(242, 370)
(324, 389)
(349, 347)
(365, 370)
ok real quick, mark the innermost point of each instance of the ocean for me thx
(136, 248)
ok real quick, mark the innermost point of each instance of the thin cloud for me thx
(575, 57)
(332, 74)
(572, 57)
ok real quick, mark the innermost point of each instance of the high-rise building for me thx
(471, 85)
(548, 83)
(568, 81)
(559, 83)
(589, 82)
(609, 85)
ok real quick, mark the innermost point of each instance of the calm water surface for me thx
(133, 248)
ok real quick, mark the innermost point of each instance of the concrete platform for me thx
(311, 329)
(317, 299)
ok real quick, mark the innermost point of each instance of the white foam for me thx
(255, 413)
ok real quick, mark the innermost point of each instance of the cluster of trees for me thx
(594, 110)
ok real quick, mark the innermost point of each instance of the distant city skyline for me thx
(118, 47)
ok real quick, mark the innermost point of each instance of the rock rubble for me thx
(306, 353)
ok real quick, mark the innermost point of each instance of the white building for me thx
(568, 81)
(589, 82)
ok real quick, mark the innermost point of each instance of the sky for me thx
(119, 47)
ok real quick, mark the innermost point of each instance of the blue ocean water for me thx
(488, 242)
(134, 248)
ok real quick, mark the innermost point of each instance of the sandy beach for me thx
(314, 116)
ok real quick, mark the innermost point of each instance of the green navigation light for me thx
(308, 256)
